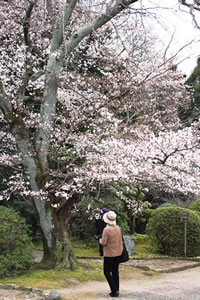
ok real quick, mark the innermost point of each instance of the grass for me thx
(85, 248)
(143, 247)
(80, 247)
(58, 279)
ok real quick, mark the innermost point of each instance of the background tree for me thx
(192, 83)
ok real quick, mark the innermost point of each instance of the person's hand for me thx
(97, 237)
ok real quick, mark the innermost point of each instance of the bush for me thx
(25, 209)
(166, 231)
(195, 206)
(16, 250)
(142, 219)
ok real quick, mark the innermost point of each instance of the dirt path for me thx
(142, 285)
(165, 282)
(181, 285)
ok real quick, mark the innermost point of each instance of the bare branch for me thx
(26, 23)
(192, 7)
(58, 34)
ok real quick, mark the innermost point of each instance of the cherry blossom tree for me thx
(169, 159)
(86, 99)
(38, 37)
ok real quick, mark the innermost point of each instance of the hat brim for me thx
(108, 221)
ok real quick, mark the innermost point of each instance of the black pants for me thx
(111, 272)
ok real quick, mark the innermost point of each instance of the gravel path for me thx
(170, 280)
(182, 285)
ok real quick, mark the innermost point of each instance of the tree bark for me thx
(58, 252)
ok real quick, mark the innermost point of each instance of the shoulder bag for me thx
(124, 257)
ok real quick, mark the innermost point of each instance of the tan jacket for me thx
(112, 241)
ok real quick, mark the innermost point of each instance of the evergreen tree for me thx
(193, 85)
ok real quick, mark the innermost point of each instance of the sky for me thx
(180, 23)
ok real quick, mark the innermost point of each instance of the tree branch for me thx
(195, 5)
(192, 6)
(56, 59)
(58, 34)
(26, 23)
(110, 13)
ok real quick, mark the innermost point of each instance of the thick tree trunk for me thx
(58, 252)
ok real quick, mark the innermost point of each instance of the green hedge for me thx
(16, 250)
(195, 206)
(166, 231)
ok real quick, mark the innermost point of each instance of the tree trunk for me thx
(58, 252)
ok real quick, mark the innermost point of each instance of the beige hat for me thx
(110, 217)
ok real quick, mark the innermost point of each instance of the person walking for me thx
(100, 225)
(112, 242)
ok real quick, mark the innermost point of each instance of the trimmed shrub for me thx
(142, 219)
(16, 249)
(195, 206)
(166, 231)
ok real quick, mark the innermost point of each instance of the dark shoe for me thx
(116, 294)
